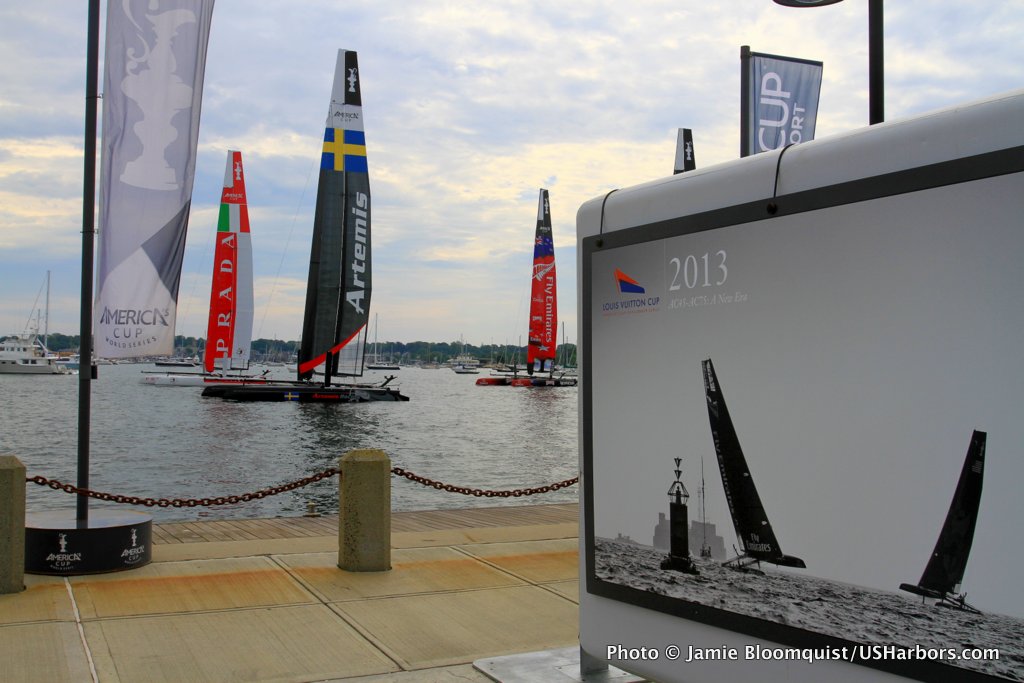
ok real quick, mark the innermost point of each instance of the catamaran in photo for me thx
(753, 530)
(338, 289)
(945, 569)
(543, 338)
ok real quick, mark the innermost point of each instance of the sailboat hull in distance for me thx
(301, 393)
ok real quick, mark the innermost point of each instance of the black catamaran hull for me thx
(305, 394)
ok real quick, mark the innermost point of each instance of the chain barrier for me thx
(274, 490)
(182, 502)
(514, 493)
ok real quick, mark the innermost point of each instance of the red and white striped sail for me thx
(229, 333)
(540, 354)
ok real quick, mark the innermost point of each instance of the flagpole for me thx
(85, 366)
(876, 63)
(744, 100)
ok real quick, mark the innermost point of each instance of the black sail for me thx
(748, 516)
(338, 290)
(945, 569)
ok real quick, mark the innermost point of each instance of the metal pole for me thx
(876, 63)
(85, 368)
(744, 100)
(876, 53)
(46, 324)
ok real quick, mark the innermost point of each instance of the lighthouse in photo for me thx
(679, 537)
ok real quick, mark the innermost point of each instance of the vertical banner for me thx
(685, 161)
(153, 86)
(779, 101)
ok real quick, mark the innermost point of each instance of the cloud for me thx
(470, 108)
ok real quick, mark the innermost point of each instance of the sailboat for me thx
(753, 530)
(229, 331)
(25, 354)
(945, 569)
(377, 363)
(543, 331)
(338, 289)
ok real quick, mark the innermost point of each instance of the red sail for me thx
(229, 332)
(540, 354)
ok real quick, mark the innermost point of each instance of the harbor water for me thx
(170, 442)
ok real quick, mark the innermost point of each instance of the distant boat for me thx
(753, 530)
(464, 364)
(945, 569)
(543, 329)
(229, 330)
(339, 285)
(376, 363)
(25, 354)
(384, 365)
(177, 363)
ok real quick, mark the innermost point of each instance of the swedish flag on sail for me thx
(344, 150)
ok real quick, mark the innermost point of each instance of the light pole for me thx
(876, 56)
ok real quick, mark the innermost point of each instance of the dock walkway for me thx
(263, 600)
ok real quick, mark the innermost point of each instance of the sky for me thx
(469, 109)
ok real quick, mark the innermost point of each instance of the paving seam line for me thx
(81, 630)
(352, 624)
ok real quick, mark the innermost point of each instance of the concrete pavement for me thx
(278, 608)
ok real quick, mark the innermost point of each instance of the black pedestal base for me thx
(111, 541)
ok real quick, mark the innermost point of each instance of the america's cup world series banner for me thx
(153, 85)
(779, 101)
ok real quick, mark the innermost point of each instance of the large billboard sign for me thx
(801, 434)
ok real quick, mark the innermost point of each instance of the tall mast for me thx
(705, 549)
(46, 320)
(88, 250)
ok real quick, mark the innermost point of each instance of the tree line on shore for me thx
(275, 350)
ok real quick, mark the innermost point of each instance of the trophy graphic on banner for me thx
(154, 86)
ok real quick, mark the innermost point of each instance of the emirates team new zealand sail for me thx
(543, 340)
(338, 291)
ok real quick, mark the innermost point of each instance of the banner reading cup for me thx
(153, 85)
(779, 101)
